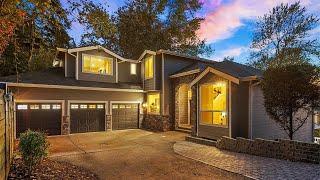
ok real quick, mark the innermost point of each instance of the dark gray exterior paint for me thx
(96, 77)
(240, 109)
(171, 65)
(124, 73)
(71, 66)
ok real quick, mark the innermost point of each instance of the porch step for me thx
(184, 130)
(203, 141)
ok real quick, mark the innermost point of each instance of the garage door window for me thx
(74, 106)
(34, 106)
(22, 107)
(45, 106)
(56, 106)
(83, 106)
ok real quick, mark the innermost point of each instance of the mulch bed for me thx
(50, 169)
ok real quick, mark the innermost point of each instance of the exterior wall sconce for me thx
(8, 97)
(144, 105)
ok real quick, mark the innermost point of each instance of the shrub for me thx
(33, 147)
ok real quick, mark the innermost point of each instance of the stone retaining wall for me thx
(157, 123)
(281, 149)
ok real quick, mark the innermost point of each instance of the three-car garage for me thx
(83, 116)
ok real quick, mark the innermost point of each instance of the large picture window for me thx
(213, 107)
(97, 64)
(148, 67)
(153, 103)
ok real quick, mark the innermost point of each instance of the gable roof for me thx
(87, 48)
(55, 76)
(229, 67)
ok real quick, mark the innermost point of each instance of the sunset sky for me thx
(228, 24)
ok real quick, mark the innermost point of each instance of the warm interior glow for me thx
(213, 109)
(153, 103)
(133, 68)
(97, 65)
(148, 67)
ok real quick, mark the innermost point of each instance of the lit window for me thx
(97, 65)
(56, 106)
(22, 106)
(100, 106)
(92, 106)
(34, 106)
(45, 106)
(122, 106)
(83, 106)
(148, 67)
(114, 106)
(133, 68)
(74, 106)
(135, 106)
(213, 107)
(128, 106)
(153, 103)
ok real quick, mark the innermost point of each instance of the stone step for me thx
(184, 130)
(203, 141)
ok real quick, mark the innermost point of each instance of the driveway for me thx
(132, 154)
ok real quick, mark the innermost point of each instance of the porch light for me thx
(144, 105)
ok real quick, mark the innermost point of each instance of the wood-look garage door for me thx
(45, 117)
(125, 116)
(87, 117)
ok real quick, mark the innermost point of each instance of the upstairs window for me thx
(148, 67)
(97, 64)
(133, 69)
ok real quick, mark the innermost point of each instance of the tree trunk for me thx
(291, 125)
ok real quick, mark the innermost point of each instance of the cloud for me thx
(232, 52)
(222, 20)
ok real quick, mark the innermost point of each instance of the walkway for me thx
(251, 166)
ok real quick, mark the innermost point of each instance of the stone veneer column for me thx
(108, 122)
(65, 125)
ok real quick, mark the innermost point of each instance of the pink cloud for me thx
(224, 19)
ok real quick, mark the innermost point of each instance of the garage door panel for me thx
(125, 116)
(45, 120)
(87, 117)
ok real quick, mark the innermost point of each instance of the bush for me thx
(33, 147)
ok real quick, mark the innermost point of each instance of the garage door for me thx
(44, 117)
(87, 117)
(125, 116)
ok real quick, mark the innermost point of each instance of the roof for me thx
(55, 76)
(229, 67)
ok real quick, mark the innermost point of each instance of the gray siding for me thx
(96, 77)
(172, 64)
(240, 109)
(264, 127)
(124, 73)
(68, 94)
(71, 66)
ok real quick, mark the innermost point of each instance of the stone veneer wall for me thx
(157, 123)
(281, 149)
(177, 82)
(65, 125)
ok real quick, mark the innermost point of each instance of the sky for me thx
(228, 24)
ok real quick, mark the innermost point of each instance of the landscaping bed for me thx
(49, 169)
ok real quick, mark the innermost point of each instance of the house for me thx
(95, 89)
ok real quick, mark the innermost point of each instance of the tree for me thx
(291, 93)
(284, 28)
(228, 58)
(144, 24)
(43, 28)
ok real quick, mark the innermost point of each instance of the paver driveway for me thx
(132, 154)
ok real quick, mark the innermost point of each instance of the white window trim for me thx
(135, 69)
(153, 66)
(227, 107)
(104, 57)
(151, 113)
